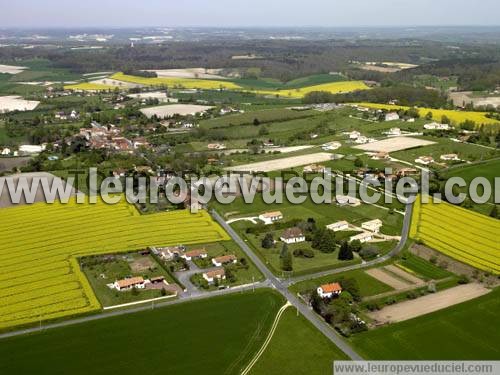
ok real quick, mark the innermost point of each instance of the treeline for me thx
(406, 95)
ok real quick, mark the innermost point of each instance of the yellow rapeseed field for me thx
(332, 87)
(85, 86)
(187, 83)
(464, 235)
(39, 273)
(456, 117)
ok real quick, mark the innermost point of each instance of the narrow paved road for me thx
(282, 288)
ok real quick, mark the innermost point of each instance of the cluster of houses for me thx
(426, 160)
(63, 116)
(371, 228)
(172, 253)
(109, 137)
(314, 168)
(436, 126)
(356, 137)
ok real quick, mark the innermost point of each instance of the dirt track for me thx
(429, 303)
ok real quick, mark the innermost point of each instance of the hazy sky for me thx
(35, 13)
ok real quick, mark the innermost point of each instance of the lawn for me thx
(39, 275)
(468, 331)
(368, 286)
(213, 336)
(297, 347)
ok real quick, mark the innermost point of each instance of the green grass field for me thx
(423, 268)
(368, 286)
(214, 336)
(297, 347)
(468, 331)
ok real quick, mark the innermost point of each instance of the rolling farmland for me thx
(456, 117)
(464, 235)
(189, 83)
(39, 273)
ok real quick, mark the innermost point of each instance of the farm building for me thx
(314, 168)
(331, 146)
(219, 274)
(225, 259)
(338, 226)
(329, 290)
(362, 237)
(216, 146)
(393, 132)
(344, 200)
(271, 217)
(126, 284)
(425, 160)
(436, 126)
(372, 225)
(450, 157)
(382, 155)
(293, 235)
(392, 116)
(194, 254)
(6, 151)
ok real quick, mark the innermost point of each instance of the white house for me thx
(132, 282)
(329, 290)
(6, 151)
(329, 146)
(394, 132)
(225, 259)
(372, 225)
(391, 116)
(425, 160)
(450, 157)
(344, 200)
(293, 235)
(362, 237)
(210, 276)
(436, 126)
(338, 226)
(31, 149)
(354, 134)
(270, 217)
(169, 253)
(194, 254)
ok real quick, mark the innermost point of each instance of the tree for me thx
(428, 116)
(345, 252)
(286, 259)
(494, 212)
(256, 121)
(355, 246)
(327, 242)
(268, 241)
(358, 162)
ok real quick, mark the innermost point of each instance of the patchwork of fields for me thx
(461, 234)
(456, 117)
(39, 274)
(207, 84)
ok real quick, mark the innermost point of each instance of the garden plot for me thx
(429, 303)
(283, 163)
(385, 277)
(16, 103)
(394, 144)
(174, 109)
